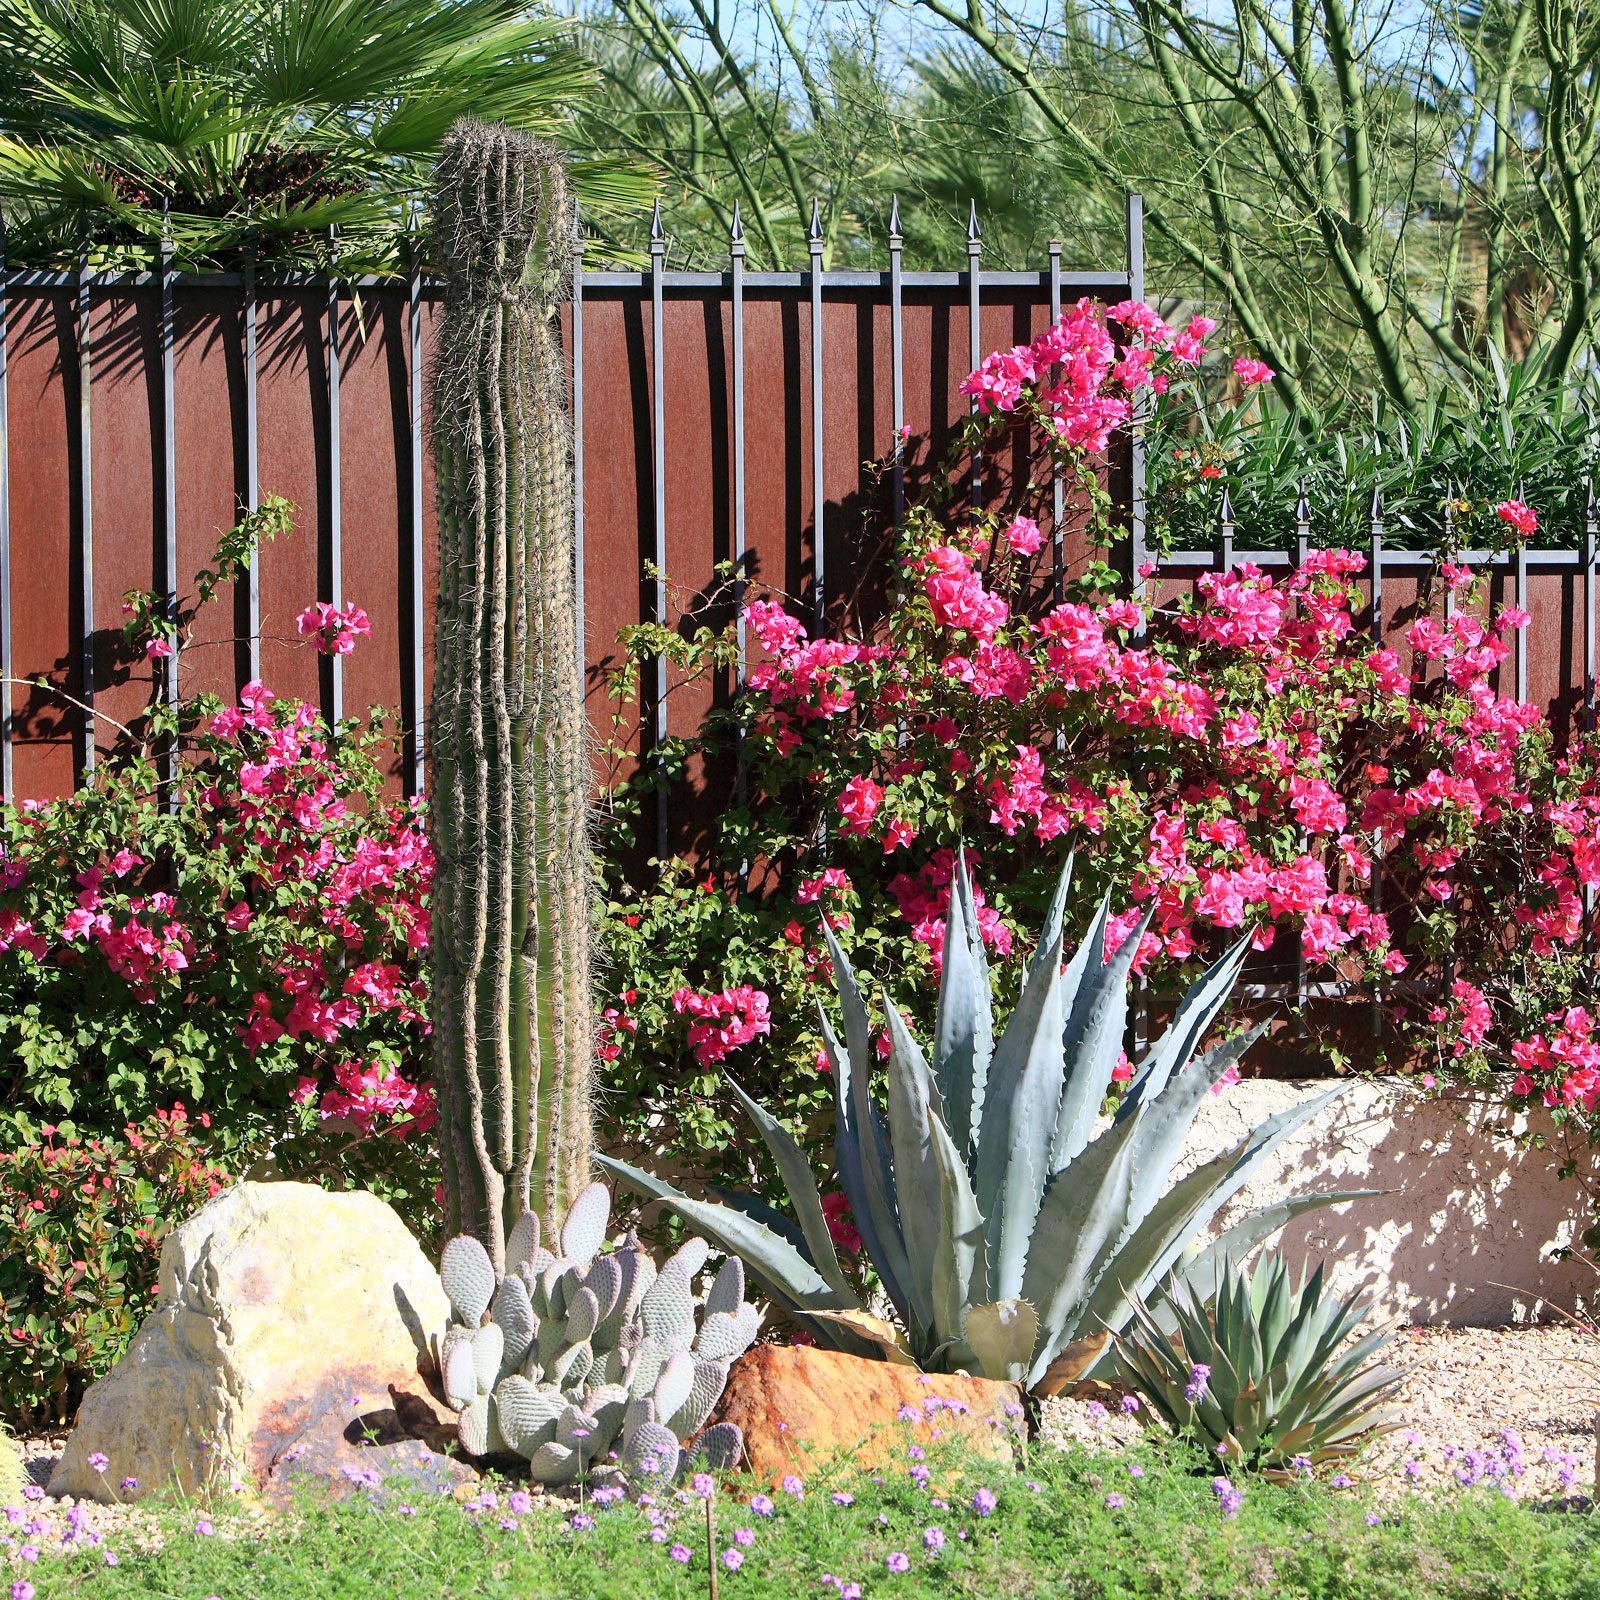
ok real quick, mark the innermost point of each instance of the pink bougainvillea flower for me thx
(331, 630)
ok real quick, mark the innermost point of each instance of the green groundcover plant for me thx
(1135, 1525)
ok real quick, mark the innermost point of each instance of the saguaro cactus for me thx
(512, 920)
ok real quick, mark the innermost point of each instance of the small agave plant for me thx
(570, 1359)
(1007, 1233)
(1260, 1370)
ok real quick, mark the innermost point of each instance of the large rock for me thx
(286, 1340)
(800, 1407)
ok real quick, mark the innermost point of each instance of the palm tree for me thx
(267, 121)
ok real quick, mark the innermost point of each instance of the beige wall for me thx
(1468, 1232)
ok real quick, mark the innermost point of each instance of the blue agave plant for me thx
(1009, 1236)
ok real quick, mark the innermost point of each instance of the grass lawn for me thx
(1070, 1524)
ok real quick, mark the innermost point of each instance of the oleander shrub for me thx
(82, 1220)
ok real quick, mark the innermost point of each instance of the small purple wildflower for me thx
(761, 1505)
(703, 1485)
(1199, 1376)
(1135, 1470)
(521, 1502)
(1340, 1480)
(897, 1561)
(1095, 1412)
(933, 1539)
(983, 1502)
(203, 1528)
(1114, 1502)
(1229, 1497)
(96, 1461)
(581, 1522)
(1372, 1519)
(917, 1453)
(1129, 1404)
(732, 1559)
(842, 1497)
(680, 1553)
(28, 1552)
(22, 1590)
(794, 1487)
(744, 1536)
(111, 1558)
(32, 1491)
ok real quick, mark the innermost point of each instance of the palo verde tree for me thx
(511, 955)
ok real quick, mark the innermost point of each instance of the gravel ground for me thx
(1464, 1388)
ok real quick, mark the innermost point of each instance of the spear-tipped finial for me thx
(974, 233)
(1225, 511)
(736, 232)
(815, 232)
(894, 217)
(1591, 506)
(1377, 503)
(656, 235)
(1302, 508)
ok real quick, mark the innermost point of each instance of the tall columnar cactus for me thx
(513, 1015)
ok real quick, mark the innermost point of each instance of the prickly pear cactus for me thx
(590, 1360)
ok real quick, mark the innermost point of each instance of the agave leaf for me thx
(1070, 1364)
(1238, 1240)
(757, 1210)
(1024, 1094)
(1185, 1210)
(860, 1149)
(776, 1262)
(1170, 1115)
(913, 1106)
(1092, 1036)
(801, 1187)
(888, 1340)
(1198, 1010)
(961, 1268)
(963, 1030)
(1082, 1212)
(1056, 912)
(1002, 1336)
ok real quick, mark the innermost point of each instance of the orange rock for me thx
(801, 1408)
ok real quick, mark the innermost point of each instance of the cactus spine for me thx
(511, 956)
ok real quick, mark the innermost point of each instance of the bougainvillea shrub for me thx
(229, 913)
(1232, 764)
(82, 1221)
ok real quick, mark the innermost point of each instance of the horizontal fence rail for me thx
(723, 420)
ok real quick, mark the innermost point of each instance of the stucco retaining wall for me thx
(1467, 1234)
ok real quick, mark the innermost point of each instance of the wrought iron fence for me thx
(149, 395)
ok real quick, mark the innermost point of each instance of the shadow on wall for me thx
(1471, 1223)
